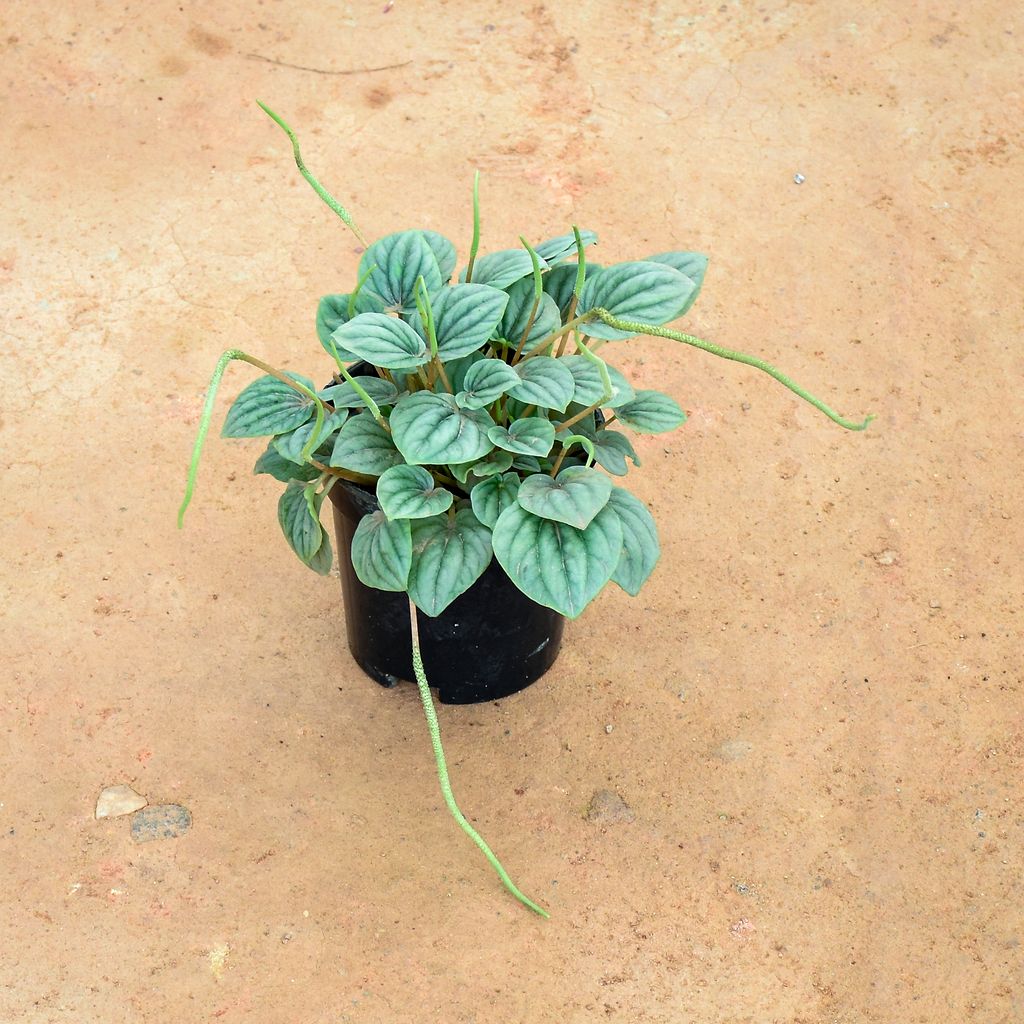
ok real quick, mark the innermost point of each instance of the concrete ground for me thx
(816, 701)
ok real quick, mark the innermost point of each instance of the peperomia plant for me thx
(480, 409)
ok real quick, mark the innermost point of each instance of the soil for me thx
(815, 704)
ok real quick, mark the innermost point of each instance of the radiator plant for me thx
(484, 416)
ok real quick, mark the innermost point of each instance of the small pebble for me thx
(117, 800)
(608, 728)
(798, 178)
(887, 557)
(934, 604)
(163, 821)
(606, 806)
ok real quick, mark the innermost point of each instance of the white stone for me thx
(117, 800)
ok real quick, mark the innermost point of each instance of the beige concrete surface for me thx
(827, 823)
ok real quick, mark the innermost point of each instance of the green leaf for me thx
(269, 406)
(448, 557)
(382, 340)
(557, 565)
(500, 269)
(651, 412)
(290, 445)
(640, 548)
(332, 312)
(485, 382)
(344, 396)
(517, 316)
(533, 435)
(431, 429)
(554, 250)
(465, 316)
(492, 496)
(364, 446)
(400, 259)
(491, 465)
(544, 382)
(559, 284)
(458, 369)
(574, 497)
(409, 492)
(693, 265)
(276, 465)
(649, 293)
(528, 463)
(444, 253)
(589, 387)
(611, 449)
(301, 529)
(382, 552)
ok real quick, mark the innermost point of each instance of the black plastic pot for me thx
(490, 642)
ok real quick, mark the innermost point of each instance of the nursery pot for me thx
(490, 642)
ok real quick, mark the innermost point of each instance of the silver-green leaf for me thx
(383, 341)
(574, 497)
(693, 265)
(448, 556)
(517, 316)
(530, 436)
(276, 465)
(558, 565)
(344, 396)
(333, 310)
(500, 269)
(560, 282)
(444, 253)
(409, 492)
(651, 412)
(640, 548)
(648, 293)
(554, 250)
(465, 316)
(400, 259)
(301, 528)
(611, 449)
(431, 429)
(486, 381)
(269, 406)
(543, 382)
(491, 464)
(382, 552)
(492, 496)
(364, 446)
(590, 387)
(290, 445)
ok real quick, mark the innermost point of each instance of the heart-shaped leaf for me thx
(458, 369)
(268, 406)
(651, 412)
(448, 556)
(364, 446)
(486, 381)
(301, 528)
(399, 259)
(492, 496)
(640, 548)
(465, 316)
(276, 465)
(574, 497)
(517, 316)
(492, 464)
(344, 396)
(543, 382)
(554, 250)
(332, 312)
(431, 430)
(530, 436)
(648, 293)
(382, 552)
(557, 565)
(383, 341)
(693, 265)
(290, 445)
(590, 388)
(611, 449)
(560, 282)
(321, 562)
(409, 492)
(500, 269)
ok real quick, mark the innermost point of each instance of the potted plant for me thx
(469, 443)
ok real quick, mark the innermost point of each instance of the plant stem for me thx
(688, 339)
(561, 458)
(555, 335)
(442, 768)
(305, 172)
(343, 474)
(609, 420)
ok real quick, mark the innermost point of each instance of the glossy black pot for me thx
(490, 642)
